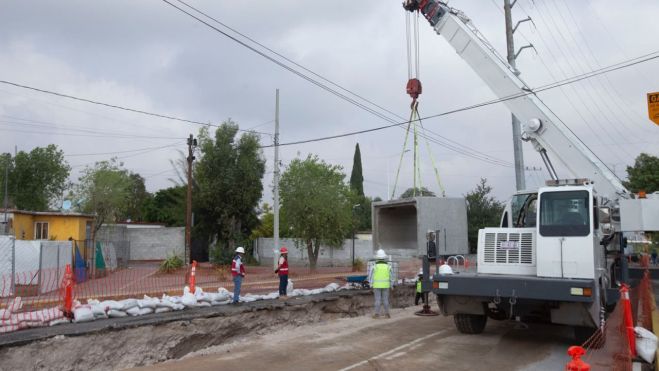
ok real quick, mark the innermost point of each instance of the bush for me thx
(358, 265)
(171, 264)
(220, 255)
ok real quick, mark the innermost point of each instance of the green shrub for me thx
(358, 265)
(171, 264)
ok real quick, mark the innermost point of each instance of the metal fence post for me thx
(40, 265)
(13, 266)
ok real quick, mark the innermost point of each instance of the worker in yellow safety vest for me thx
(419, 291)
(380, 278)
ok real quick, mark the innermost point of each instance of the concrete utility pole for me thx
(192, 142)
(276, 179)
(517, 136)
(6, 201)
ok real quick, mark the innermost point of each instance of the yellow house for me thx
(47, 225)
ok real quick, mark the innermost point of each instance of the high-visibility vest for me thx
(381, 276)
(418, 286)
(234, 269)
(283, 268)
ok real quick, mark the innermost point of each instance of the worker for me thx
(419, 292)
(380, 278)
(238, 273)
(431, 245)
(282, 270)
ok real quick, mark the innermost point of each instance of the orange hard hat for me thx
(283, 250)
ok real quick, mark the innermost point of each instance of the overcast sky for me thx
(147, 55)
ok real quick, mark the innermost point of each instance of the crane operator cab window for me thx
(564, 214)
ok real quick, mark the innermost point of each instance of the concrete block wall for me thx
(328, 256)
(145, 242)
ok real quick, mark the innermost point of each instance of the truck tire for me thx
(470, 323)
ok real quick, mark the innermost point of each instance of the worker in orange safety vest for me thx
(282, 270)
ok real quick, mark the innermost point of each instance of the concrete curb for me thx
(114, 324)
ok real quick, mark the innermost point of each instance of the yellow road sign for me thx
(653, 107)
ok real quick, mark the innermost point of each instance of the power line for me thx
(86, 100)
(120, 152)
(465, 150)
(571, 80)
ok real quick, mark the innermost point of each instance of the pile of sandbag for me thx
(12, 320)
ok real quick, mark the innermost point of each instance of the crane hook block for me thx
(414, 88)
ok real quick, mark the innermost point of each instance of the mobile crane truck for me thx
(553, 258)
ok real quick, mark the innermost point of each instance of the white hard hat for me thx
(380, 254)
(240, 250)
(420, 271)
(445, 269)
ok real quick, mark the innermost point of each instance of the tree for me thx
(644, 175)
(356, 177)
(316, 203)
(423, 191)
(36, 179)
(266, 227)
(104, 190)
(482, 211)
(228, 185)
(137, 199)
(166, 206)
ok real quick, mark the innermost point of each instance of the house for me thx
(46, 225)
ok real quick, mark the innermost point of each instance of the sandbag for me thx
(127, 304)
(163, 309)
(111, 305)
(83, 313)
(646, 344)
(331, 287)
(223, 302)
(137, 311)
(290, 287)
(113, 313)
(99, 311)
(15, 304)
(148, 302)
(5, 314)
(59, 322)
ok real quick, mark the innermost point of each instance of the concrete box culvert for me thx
(119, 347)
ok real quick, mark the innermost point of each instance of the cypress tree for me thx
(356, 178)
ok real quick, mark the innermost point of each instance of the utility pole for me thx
(511, 55)
(6, 201)
(276, 178)
(192, 142)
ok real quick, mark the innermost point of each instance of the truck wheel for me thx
(583, 334)
(470, 323)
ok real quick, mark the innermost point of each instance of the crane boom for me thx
(548, 134)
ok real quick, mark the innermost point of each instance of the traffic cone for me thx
(629, 323)
(192, 276)
(576, 364)
(67, 285)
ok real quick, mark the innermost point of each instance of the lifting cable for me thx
(414, 89)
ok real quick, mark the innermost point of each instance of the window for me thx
(565, 214)
(41, 230)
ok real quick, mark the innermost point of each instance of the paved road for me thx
(404, 342)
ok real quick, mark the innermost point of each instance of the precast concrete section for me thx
(400, 226)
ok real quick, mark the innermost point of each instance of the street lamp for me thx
(353, 234)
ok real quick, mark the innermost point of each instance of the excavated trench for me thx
(130, 346)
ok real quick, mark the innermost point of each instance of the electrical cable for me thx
(615, 67)
(303, 76)
(109, 105)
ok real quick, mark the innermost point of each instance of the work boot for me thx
(283, 297)
(376, 316)
(387, 315)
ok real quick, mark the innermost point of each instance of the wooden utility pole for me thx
(188, 212)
